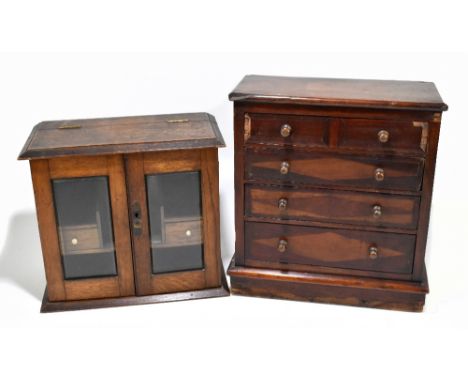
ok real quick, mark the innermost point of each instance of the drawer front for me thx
(183, 232)
(335, 206)
(382, 135)
(293, 167)
(337, 248)
(286, 130)
(75, 239)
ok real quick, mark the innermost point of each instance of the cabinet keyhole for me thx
(136, 219)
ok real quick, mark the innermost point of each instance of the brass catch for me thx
(177, 120)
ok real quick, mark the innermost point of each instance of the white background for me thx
(65, 60)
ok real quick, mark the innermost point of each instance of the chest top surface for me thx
(122, 135)
(339, 92)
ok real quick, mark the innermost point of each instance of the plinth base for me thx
(328, 288)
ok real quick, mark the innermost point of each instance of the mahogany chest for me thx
(128, 209)
(333, 185)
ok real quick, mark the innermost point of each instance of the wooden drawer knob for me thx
(285, 130)
(383, 135)
(373, 252)
(284, 169)
(379, 174)
(282, 245)
(377, 211)
(282, 203)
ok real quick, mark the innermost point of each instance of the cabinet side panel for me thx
(210, 203)
(239, 120)
(426, 198)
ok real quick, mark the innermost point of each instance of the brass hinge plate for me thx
(424, 133)
(70, 127)
(178, 120)
(247, 127)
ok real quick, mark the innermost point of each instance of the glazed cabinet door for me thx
(82, 210)
(172, 198)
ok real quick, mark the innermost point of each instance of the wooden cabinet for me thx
(333, 183)
(128, 209)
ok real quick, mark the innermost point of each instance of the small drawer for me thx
(80, 238)
(183, 232)
(382, 135)
(295, 167)
(328, 247)
(369, 209)
(279, 129)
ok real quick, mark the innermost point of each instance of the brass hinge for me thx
(70, 127)
(437, 117)
(247, 127)
(177, 120)
(424, 133)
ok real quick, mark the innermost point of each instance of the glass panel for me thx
(84, 224)
(176, 226)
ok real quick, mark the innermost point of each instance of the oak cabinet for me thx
(333, 184)
(128, 209)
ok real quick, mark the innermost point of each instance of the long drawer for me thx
(371, 209)
(299, 167)
(328, 247)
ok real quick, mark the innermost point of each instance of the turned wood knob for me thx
(282, 245)
(285, 130)
(373, 252)
(282, 203)
(284, 169)
(383, 135)
(379, 174)
(377, 210)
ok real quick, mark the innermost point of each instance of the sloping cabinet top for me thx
(122, 135)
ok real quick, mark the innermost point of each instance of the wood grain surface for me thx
(332, 206)
(326, 169)
(338, 248)
(339, 92)
(122, 135)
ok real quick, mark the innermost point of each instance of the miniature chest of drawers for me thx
(128, 209)
(333, 184)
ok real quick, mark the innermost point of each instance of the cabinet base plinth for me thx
(59, 306)
(328, 288)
